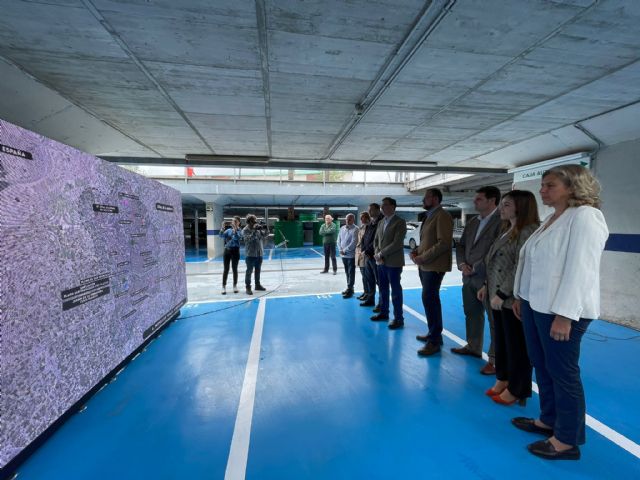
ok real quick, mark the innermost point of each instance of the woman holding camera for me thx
(231, 235)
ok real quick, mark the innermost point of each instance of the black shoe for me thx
(376, 309)
(422, 338)
(367, 304)
(260, 288)
(361, 297)
(344, 292)
(335, 272)
(249, 292)
(544, 449)
(324, 271)
(347, 295)
(529, 425)
(429, 349)
(380, 317)
(396, 325)
(465, 351)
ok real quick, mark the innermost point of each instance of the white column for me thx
(215, 245)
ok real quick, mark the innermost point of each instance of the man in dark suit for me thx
(478, 236)
(433, 257)
(389, 255)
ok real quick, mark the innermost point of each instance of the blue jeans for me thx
(431, 282)
(390, 276)
(350, 271)
(253, 262)
(562, 404)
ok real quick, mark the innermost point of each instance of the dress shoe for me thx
(335, 272)
(465, 351)
(396, 325)
(235, 289)
(376, 309)
(380, 317)
(347, 295)
(361, 297)
(545, 449)
(324, 271)
(529, 425)
(488, 369)
(260, 288)
(249, 292)
(367, 304)
(422, 338)
(498, 399)
(429, 349)
(224, 291)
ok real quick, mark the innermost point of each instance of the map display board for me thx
(91, 264)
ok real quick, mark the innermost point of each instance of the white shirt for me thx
(483, 223)
(559, 268)
(386, 222)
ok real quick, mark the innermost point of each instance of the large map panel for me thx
(91, 264)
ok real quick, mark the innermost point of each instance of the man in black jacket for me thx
(370, 268)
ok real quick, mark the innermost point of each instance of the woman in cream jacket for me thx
(558, 286)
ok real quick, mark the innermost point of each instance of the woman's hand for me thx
(516, 308)
(560, 328)
(496, 302)
(482, 293)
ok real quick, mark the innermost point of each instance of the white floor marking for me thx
(271, 253)
(607, 432)
(314, 250)
(239, 452)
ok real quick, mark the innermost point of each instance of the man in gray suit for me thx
(389, 255)
(477, 237)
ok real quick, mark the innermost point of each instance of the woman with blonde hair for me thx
(558, 286)
(519, 214)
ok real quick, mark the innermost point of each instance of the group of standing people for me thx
(539, 285)
(253, 235)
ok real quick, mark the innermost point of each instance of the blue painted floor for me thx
(192, 255)
(337, 396)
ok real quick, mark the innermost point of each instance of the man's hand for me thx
(482, 293)
(466, 269)
(560, 328)
(516, 308)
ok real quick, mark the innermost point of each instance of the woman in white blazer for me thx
(557, 285)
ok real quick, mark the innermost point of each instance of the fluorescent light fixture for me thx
(403, 163)
(215, 160)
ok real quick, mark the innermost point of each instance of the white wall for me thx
(618, 169)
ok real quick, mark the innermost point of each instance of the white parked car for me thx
(412, 237)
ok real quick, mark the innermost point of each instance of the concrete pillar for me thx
(215, 244)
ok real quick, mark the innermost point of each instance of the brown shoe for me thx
(429, 349)
(488, 369)
(465, 351)
(422, 338)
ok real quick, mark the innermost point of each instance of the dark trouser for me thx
(365, 285)
(330, 253)
(512, 361)
(431, 282)
(350, 271)
(371, 272)
(562, 403)
(252, 262)
(231, 257)
(390, 276)
(474, 317)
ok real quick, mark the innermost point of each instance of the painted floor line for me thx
(239, 451)
(607, 432)
(271, 253)
(314, 250)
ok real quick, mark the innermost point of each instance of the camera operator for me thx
(253, 234)
(231, 234)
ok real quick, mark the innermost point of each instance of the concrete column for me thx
(215, 244)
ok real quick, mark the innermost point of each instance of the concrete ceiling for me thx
(466, 84)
